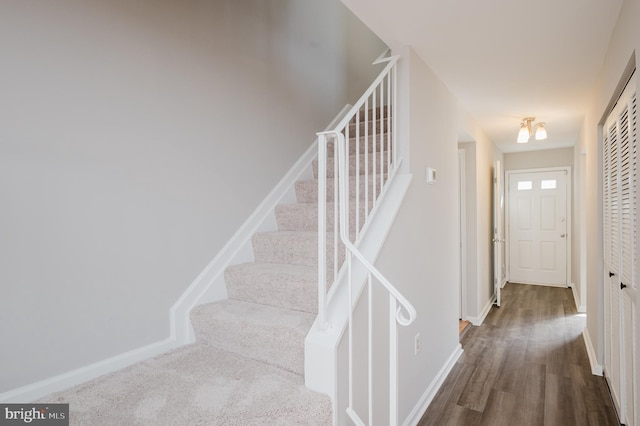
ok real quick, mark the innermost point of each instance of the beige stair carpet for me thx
(196, 385)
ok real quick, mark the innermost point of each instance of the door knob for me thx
(611, 274)
(562, 235)
(623, 286)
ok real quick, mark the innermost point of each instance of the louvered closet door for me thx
(611, 235)
(620, 189)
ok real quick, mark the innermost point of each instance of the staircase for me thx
(247, 365)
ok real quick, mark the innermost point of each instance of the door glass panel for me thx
(525, 185)
(548, 184)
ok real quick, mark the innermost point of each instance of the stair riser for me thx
(371, 112)
(380, 126)
(382, 141)
(307, 191)
(275, 341)
(360, 161)
(292, 248)
(288, 291)
(304, 217)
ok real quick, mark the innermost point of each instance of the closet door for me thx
(628, 256)
(611, 235)
(620, 186)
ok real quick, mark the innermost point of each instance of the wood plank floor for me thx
(462, 326)
(526, 365)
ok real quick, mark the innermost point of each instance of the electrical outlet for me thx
(416, 346)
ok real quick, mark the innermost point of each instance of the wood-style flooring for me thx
(526, 365)
(462, 326)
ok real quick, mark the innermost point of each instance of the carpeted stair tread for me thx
(282, 285)
(304, 216)
(196, 385)
(268, 334)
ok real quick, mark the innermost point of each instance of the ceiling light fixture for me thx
(526, 130)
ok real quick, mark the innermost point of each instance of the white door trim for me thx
(498, 228)
(508, 174)
(463, 232)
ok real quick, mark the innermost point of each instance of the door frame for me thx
(462, 223)
(498, 227)
(507, 218)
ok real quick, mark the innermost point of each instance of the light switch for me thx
(431, 175)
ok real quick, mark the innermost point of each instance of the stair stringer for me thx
(324, 362)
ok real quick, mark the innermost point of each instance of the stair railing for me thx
(358, 186)
(370, 131)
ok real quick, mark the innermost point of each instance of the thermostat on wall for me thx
(431, 175)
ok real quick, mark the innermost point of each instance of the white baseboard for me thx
(576, 298)
(477, 321)
(38, 390)
(421, 407)
(596, 369)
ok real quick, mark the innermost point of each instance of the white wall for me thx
(479, 217)
(421, 253)
(538, 159)
(470, 217)
(624, 42)
(135, 138)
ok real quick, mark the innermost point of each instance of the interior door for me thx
(498, 229)
(538, 227)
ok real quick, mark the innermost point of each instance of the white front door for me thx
(538, 227)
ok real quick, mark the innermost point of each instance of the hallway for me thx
(526, 365)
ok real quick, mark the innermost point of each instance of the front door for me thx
(538, 227)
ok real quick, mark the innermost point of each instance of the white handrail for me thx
(358, 105)
(368, 203)
(367, 173)
(344, 236)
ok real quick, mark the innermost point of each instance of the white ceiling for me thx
(506, 59)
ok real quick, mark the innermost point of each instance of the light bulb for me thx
(523, 134)
(541, 132)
